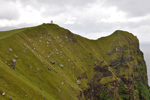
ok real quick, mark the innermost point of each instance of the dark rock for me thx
(15, 56)
(10, 98)
(49, 68)
(79, 78)
(32, 43)
(30, 67)
(53, 62)
(51, 53)
(59, 91)
(60, 41)
(61, 66)
(109, 53)
(13, 66)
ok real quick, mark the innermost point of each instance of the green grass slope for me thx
(48, 62)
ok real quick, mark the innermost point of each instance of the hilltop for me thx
(48, 62)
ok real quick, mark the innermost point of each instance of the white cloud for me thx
(70, 20)
(112, 15)
(87, 18)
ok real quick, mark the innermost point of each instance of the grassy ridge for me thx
(75, 57)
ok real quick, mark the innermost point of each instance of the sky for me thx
(88, 18)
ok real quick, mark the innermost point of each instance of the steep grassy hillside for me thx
(48, 62)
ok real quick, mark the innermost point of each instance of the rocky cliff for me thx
(48, 62)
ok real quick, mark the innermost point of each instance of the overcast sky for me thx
(89, 18)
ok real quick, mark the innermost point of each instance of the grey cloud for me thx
(132, 7)
(10, 15)
(77, 9)
(9, 10)
(90, 29)
(22, 25)
(145, 47)
(59, 3)
(7, 28)
(56, 7)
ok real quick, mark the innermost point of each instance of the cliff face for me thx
(48, 62)
(122, 72)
